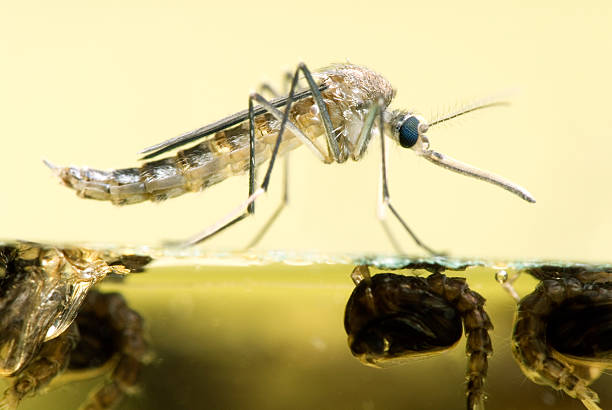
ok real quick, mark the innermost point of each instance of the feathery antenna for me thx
(468, 108)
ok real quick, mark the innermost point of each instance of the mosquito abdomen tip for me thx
(51, 166)
(528, 197)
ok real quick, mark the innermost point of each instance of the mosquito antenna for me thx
(467, 108)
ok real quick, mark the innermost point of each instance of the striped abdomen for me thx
(191, 170)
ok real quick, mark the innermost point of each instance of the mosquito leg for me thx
(287, 78)
(356, 153)
(385, 198)
(284, 200)
(390, 236)
(332, 143)
(377, 110)
(292, 127)
(366, 131)
(265, 87)
(269, 89)
(507, 282)
(247, 207)
(252, 182)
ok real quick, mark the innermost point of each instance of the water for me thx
(272, 337)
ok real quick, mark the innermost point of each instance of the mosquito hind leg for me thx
(247, 207)
(333, 148)
(332, 143)
(266, 87)
(284, 201)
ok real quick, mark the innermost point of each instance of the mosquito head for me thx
(410, 131)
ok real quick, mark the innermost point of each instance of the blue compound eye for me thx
(409, 132)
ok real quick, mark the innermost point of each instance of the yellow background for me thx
(92, 83)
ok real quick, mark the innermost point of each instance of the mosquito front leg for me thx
(358, 151)
(376, 110)
(385, 197)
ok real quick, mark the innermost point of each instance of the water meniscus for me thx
(335, 116)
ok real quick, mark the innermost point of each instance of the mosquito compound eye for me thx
(409, 132)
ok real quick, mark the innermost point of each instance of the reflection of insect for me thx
(391, 316)
(41, 291)
(342, 102)
(562, 334)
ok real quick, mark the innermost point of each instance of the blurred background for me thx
(92, 84)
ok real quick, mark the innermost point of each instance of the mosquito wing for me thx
(157, 149)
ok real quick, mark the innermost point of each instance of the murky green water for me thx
(272, 337)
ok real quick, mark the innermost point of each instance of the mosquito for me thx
(341, 103)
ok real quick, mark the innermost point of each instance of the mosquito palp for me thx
(346, 105)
